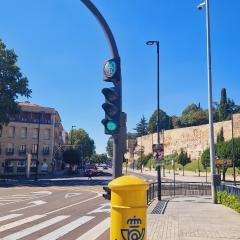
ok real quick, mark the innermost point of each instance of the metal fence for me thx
(178, 188)
(233, 190)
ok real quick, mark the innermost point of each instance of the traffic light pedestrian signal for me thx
(112, 105)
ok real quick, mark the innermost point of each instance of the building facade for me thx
(35, 133)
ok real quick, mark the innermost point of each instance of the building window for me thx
(45, 149)
(35, 133)
(34, 149)
(11, 132)
(22, 149)
(9, 149)
(46, 134)
(23, 132)
(21, 163)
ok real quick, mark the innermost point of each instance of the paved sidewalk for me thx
(193, 218)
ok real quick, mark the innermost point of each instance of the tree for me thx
(183, 159)
(99, 158)
(12, 84)
(223, 106)
(86, 146)
(141, 127)
(193, 115)
(72, 157)
(109, 147)
(175, 122)
(220, 136)
(131, 135)
(168, 158)
(164, 122)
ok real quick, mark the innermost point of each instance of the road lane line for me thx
(74, 204)
(20, 222)
(66, 229)
(35, 228)
(10, 216)
(95, 232)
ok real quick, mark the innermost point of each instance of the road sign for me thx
(224, 162)
(158, 151)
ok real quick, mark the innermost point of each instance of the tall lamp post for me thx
(233, 154)
(211, 131)
(152, 42)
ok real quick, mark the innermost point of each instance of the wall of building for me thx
(55, 138)
(194, 140)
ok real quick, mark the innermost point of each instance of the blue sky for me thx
(62, 48)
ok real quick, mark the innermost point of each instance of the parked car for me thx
(93, 170)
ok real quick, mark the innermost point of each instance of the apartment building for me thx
(35, 133)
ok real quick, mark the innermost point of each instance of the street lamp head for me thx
(150, 42)
(201, 5)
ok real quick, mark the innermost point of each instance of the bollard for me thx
(128, 208)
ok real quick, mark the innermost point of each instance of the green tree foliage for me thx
(85, 144)
(220, 136)
(223, 106)
(144, 160)
(226, 107)
(109, 147)
(12, 84)
(183, 159)
(99, 158)
(168, 158)
(141, 127)
(193, 115)
(175, 122)
(71, 156)
(224, 150)
(165, 122)
(205, 158)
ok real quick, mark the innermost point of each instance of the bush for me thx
(229, 200)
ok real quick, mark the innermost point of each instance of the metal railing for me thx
(178, 188)
(233, 190)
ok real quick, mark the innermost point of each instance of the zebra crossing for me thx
(31, 226)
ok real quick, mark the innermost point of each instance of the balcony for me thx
(9, 151)
(45, 152)
(22, 151)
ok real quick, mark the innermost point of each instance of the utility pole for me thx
(233, 154)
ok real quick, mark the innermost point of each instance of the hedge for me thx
(229, 200)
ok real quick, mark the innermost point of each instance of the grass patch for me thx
(229, 200)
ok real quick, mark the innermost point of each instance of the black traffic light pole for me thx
(118, 138)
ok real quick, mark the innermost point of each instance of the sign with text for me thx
(224, 162)
(158, 151)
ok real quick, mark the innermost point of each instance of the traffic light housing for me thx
(112, 105)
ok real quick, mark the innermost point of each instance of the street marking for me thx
(9, 217)
(35, 228)
(20, 222)
(86, 200)
(95, 232)
(35, 203)
(66, 229)
(101, 209)
(69, 195)
(44, 193)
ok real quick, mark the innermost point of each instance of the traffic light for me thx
(107, 194)
(112, 105)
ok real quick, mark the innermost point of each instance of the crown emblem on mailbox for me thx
(134, 230)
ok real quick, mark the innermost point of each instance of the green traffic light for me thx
(111, 126)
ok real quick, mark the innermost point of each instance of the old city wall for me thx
(194, 140)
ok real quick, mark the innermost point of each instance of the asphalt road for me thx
(55, 212)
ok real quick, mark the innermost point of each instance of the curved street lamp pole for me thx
(119, 138)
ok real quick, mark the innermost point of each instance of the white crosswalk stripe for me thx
(35, 228)
(66, 229)
(97, 231)
(9, 217)
(20, 222)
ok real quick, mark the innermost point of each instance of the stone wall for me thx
(194, 140)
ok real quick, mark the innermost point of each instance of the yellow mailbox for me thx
(128, 208)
